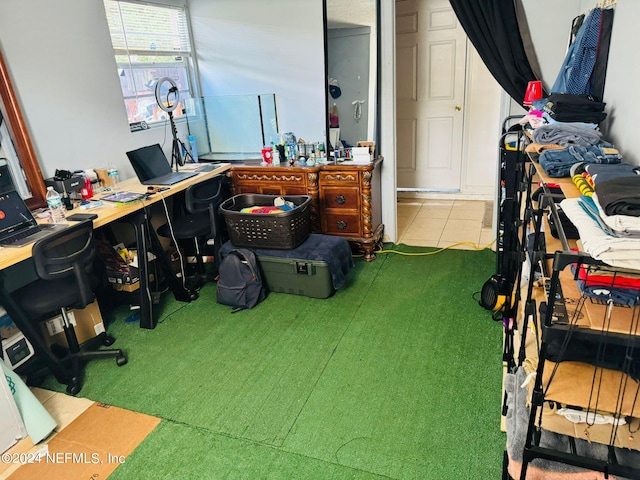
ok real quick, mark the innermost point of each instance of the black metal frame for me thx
(561, 260)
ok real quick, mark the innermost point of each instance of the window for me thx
(150, 42)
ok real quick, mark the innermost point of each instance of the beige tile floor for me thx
(444, 223)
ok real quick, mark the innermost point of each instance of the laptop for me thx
(17, 225)
(152, 167)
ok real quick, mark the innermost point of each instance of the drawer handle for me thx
(341, 224)
(340, 199)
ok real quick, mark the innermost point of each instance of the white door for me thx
(430, 81)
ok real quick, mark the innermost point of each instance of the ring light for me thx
(167, 94)
(168, 99)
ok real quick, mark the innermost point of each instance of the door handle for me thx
(458, 108)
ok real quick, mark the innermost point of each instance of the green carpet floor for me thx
(398, 375)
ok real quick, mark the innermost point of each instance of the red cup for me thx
(533, 93)
(267, 155)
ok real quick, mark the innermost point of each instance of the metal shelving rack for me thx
(613, 327)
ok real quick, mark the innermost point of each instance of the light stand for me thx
(178, 146)
(169, 104)
(168, 97)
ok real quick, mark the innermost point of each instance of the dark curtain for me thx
(492, 27)
(599, 74)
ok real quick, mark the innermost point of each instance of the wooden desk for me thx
(110, 212)
(133, 212)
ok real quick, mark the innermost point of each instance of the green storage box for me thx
(310, 278)
(316, 269)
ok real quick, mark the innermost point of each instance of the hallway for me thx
(442, 223)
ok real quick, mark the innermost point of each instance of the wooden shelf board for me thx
(553, 422)
(573, 382)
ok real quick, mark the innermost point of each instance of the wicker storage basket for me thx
(282, 231)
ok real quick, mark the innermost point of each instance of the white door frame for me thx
(388, 127)
(387, 134)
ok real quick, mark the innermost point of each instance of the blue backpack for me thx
(239, 283)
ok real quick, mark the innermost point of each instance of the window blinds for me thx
(142, 28)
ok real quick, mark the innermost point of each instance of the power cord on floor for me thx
(170, 314)
(474, 245)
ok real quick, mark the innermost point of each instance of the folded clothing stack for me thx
(567, 134)
(565, 107)
(558, 163)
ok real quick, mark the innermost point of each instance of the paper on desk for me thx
(359, 160)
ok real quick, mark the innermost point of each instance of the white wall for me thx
(258, 46)
(550, 33)
(60, 59)
(621, 92)
(64, 73)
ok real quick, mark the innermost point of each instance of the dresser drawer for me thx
(339, 198)
(283, 190)
(341, 224)
(346, 178)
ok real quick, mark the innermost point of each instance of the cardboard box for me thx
(131, 287)
(121, 270)
(21, 448)
(105, 179)
(91, 446)
(87, 324)
(126, 275)
(121, 263)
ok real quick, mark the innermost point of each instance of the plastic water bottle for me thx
(194, 150)
(112, 173)
(55, 205)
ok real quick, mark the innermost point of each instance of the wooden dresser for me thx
(345, 197)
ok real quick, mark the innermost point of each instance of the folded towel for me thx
(563, 134)
(618, 252)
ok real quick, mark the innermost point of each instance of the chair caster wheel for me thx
(108, 340)
(73, 389)
(121, 360)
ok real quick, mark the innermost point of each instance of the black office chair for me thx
(63, 262)
(201, 229)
